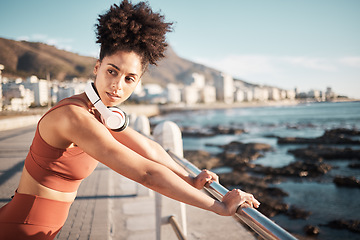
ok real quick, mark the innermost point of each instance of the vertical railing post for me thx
(142, 125)
(168, 135)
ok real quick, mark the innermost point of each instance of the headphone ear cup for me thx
(121, 117)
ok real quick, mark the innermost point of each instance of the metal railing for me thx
(176, 226)
(168, 134)
(262, 225)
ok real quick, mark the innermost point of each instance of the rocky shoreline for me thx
(312, 162)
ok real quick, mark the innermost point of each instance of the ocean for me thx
(321, 197)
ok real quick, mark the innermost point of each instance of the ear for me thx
(96, 68)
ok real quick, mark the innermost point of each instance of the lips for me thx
(113, 96)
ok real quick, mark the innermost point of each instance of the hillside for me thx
(23, 59)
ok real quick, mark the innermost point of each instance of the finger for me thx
(210, 177)
(256, 203)
(245, 205)
(253, 202)
(248, 200)
(214, 176)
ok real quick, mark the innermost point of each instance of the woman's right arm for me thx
(94, 138)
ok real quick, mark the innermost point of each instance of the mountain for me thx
(22, 59)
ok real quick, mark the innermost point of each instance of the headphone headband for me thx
(91, 93)
(113, 119)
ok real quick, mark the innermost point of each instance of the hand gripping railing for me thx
(263, 226)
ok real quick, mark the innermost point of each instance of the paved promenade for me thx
(108, 205)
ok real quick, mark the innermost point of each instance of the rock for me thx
(296, 169)
(334, 136)
(272, 208)
(312, 230)
(227, 130)
(236, 154)
(197, 132)
(351, 225)
(319, 152)
(202, 159)
(342, 132)
(271, 198)
(297, 213)
(354, 165)
(211, 131)
(347, 182)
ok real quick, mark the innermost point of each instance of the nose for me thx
(117, 84)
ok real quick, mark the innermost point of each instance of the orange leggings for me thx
(32, 217)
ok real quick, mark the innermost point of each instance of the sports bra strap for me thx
(78, 98)
(64, 104)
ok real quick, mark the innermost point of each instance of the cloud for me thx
(252, 65)
(23, 38)
(60, 43)
(350, 61)
(341, 73)
(323, 64)
(242, 64)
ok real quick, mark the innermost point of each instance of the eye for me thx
(130, 79)
(112, 72)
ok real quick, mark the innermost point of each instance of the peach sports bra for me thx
(56, 168)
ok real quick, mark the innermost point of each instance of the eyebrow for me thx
(114, 66)
(117, 68)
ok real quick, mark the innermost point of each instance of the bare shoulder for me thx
(58, 124)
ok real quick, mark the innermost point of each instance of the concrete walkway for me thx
(108, 205)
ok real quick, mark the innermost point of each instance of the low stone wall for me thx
(137, 110)
(23, 121)
(17, 122)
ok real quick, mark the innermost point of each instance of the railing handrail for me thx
(177, 229)
(262, 225)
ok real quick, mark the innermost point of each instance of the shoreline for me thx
(164, 109)
(151, 110)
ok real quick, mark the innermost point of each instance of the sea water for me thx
(321, 197)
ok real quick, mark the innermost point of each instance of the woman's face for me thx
(117, 76)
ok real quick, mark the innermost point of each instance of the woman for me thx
(71, 139)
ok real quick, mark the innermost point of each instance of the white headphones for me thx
(112, 117)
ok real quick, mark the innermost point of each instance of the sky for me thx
(309, 45)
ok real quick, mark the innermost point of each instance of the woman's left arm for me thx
(155, 152)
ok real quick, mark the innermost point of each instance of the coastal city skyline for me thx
(308, 45)
(21, 94)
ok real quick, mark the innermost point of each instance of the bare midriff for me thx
(28, 185)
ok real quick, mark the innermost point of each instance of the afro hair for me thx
(137, 28)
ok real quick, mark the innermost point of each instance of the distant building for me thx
(173, 93)
(208, 94)
(1, 92)
(316, 94)
(54, 91)
(290, 94)
(154, 93)
(274, 94)
(329, 94)
(190, 95)
(67, 89)
(225, 88)
(260, 94)
(198, 80)
(64, 92)
(17, 97)
(40, 89)
(248, 96)
(239, 95)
